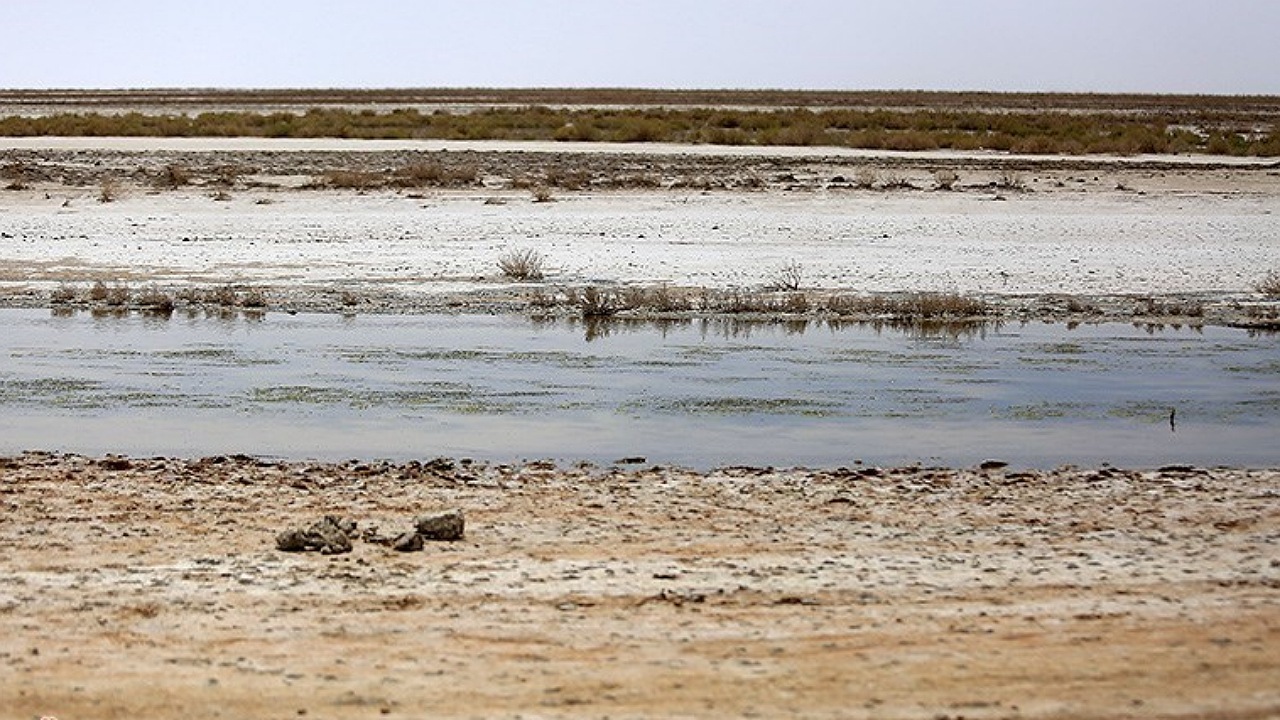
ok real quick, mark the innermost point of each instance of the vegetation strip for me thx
(1029, 131)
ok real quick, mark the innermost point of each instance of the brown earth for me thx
(151, 588)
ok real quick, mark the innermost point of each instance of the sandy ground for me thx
(151, 588)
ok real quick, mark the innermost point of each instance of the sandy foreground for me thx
(151, 588)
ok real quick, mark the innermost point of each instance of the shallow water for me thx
(699, 393)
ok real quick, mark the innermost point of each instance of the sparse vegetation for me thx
(63, 294)
(1269, 285)
(929, 306)
(946, 178)
(1010, 180)
(109, 190)
(789, 277)
(1019, 123)
(173, 176)
(542, 194)
(154, 301)
(594, 302)
(522, 265)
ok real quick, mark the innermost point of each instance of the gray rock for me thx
(443, 526)
(408, 542)
(328, 537)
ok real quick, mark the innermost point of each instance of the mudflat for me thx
(152, 588)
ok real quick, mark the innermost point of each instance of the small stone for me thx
(408, 542)
(993, 465)
(328, 536)
(443, 526)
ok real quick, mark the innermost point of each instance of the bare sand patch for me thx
(593, 591)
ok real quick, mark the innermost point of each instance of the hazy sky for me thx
(1222, 46)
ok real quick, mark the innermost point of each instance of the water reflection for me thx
(738, 328)
(695, 391)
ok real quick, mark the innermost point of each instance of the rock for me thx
(329, 536)
(408, 542)
(443, 526)
(993, 465)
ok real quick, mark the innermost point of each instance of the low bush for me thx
(1269, 285)
(521, 265)
(789, 277)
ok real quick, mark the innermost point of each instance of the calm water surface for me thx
(695, 393)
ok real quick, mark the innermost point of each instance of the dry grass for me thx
(1035, 124)
(789, 277)
(542, 194)
(594, 302)
(173, 176)
(522, 265)
(353, 180)
(927, 306)
(155, 301)
(109, 190)
(1269, 285)
(946, 178)
(63, 294)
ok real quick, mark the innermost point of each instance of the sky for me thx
(1154, 46)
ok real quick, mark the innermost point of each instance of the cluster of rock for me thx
(332, 535)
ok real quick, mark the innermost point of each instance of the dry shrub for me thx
(594, 302)
(865, 178)
(253, 298)
(917, 306)
(524, 264)
(117, 296)
(568, 179)
(946, 178)
(173, 176)
(542, 194)
(788, 277)
(1269, 285)
(224, 296)
(63, 294)
(1010, 180)
(109, 190)
(353, 180)
(435, 174)
(153, 300)
(897, 182)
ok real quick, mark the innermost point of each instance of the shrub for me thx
(865, 178)
(173, 176)
(63, 294)
(253, 299)
(118, 295)
(109, 190)
(1010, 180)
(946, 178)
(542, 194)
(153, 300)
(595, 303)
(789, 277)
(98, 292)
(1269, 285)
(353, 180)
(521, 265)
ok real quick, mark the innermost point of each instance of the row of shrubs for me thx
(592, 301)
(881, 129)
(152, 299)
